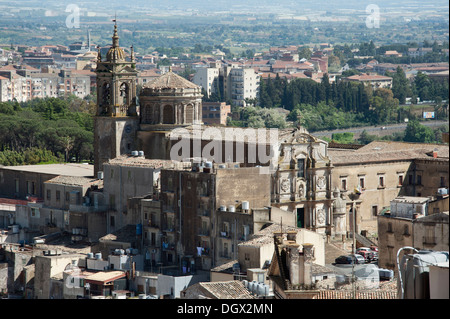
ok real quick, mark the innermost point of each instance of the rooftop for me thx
(383, 151)
(171, 80)
(368, 77)
(410, 199)
(106, 276)
(265, 236)
(68, 169)
(74, 180)
(227, 289)
(126, 160)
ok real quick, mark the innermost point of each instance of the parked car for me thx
(368, 255)
(375, 255)
(374, 248)
(348, 259)
(362, 249)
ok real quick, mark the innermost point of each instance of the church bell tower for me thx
(116, 119)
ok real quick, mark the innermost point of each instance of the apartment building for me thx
(215, 113)
(23, 83)
(243, 84)
(208, 79)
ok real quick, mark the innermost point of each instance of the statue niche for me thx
(124, 93)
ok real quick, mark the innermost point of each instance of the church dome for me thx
(115, 53)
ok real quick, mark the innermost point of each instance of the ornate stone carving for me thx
(301, 190)
(321, 216)
(285, 185)
(321, 182)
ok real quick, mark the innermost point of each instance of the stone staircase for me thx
(335, 249)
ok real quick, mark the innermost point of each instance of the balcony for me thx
(169, 229)
(225, 234)
(204, 233)
(206, 252)
(168, 246)
(151, 224)
(203, 213)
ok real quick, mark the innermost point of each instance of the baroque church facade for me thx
(299, 164)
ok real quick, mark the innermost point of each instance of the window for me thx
(442, 183)
(344, 184)
(361, 183)
(49, 194)
(381, 181)
(400, 180)
(406, 230)
(112, 201)
(112, 221)
(58, 195)
(419, 179)
(389, 228)
(67, 197)
(374, 210)
(17, 185)
(301, 167)
(410, 180)
(31, 188)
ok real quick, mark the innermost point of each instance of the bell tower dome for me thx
(116, 119)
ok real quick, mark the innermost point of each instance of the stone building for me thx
(410, 223)
(198, 195)
(116, 119)
(168, 121)
(383, 170)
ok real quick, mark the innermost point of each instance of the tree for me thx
(400, 85)
(304, 53)
(366, 138)
(416, 132)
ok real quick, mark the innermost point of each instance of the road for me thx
(377, 130)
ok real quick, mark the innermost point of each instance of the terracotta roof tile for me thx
(171, 80)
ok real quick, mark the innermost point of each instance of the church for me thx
(168, 111)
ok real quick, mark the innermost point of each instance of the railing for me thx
(168, 246)
(225, 234)
(203, 232)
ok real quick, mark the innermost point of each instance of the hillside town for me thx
(237, 216)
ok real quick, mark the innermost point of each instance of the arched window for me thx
(189, 114)
(168, 116)
(106, 94)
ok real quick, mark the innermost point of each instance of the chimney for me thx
(292, 235)
(293, 262)
(305, 267)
